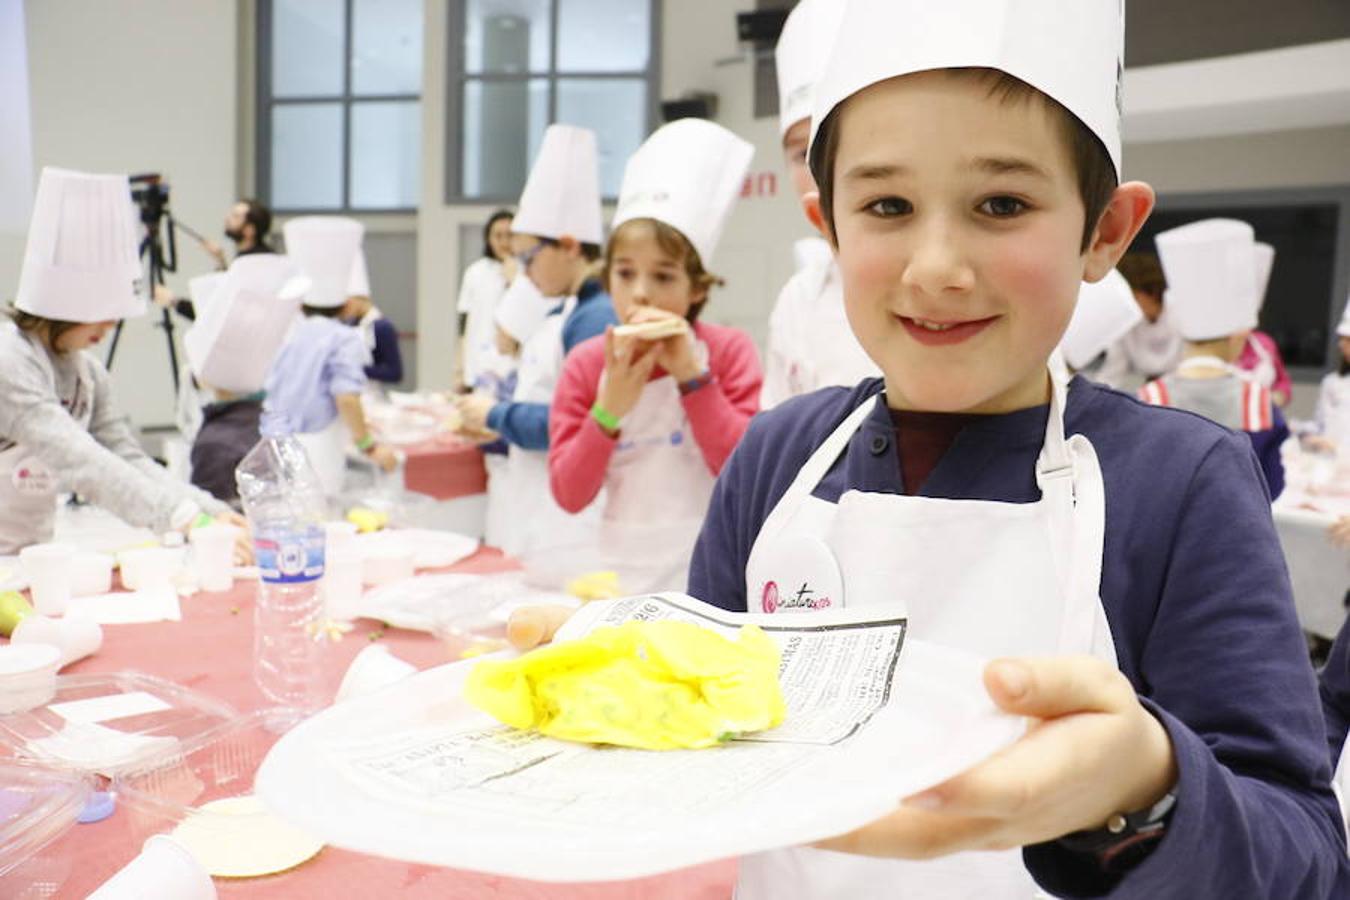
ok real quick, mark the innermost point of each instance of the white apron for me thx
(1340, 784)
(996, 579)
(327, 452)
(553, 545)
(28, 486)
(659, 488)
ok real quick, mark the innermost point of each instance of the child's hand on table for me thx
(1095, 751)
(628, 365)
(531, 626)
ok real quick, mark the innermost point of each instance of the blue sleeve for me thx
(1267, 446)
(587, 321)
(345, 366)
(717, 569)
(521, 424)
(388, 361)
(1335, 688)
(1224, 668)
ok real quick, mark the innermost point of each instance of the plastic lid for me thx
(25, 659)
(37, 805)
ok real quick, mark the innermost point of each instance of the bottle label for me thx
(290, 557)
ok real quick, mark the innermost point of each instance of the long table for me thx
(210, 650)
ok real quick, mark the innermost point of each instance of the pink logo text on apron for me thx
(772, 601)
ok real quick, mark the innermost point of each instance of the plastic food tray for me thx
(37, 805)
(150, 724)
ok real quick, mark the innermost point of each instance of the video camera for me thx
(150, 193)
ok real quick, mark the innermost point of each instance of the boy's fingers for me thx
(1048, 688)
(531, 626)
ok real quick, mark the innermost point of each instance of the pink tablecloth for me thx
(210, 650)
(444, 467)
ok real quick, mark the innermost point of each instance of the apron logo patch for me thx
(32, 479)
(772, 600)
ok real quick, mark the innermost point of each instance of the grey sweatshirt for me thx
(41, 393)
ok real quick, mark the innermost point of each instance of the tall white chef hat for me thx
(1073, 52)
(238, 333)
(325, 249)
(800, 57)
(80, 264)
(688, 174)
(562, 194)
(202, 290)
(523, 308)
(1210, 283)
(1263, 260)
(1343, 329)
(1105, 313)
(358, 283)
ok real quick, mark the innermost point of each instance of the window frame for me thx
(265, 103)
(457, 78)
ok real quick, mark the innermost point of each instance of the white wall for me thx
(137, 86)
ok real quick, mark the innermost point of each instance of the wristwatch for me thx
(1127, 839)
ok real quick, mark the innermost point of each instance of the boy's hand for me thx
(384, 456)
(473, 412)
(628, 364)
(531, 626)
(1094, 752)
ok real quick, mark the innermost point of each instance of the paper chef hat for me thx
(238, 333)
(522, 309)
(1210, 281)
(1105, 313)
(800, 57)
(562, 194)
(1343, 330)
(202, 290)
(1070, 51)
(358, 283)
(1263, 260)
(80, 264)
(325, 249)
(688, 174)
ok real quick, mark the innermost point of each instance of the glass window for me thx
(339, 117)
(306, 156)
(387, 47)
(603, 35)
(307, 41)
(504, 124)
(507, 37)
(616, 110)
(386, 154)
(510, 86)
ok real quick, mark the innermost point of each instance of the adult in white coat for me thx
(553, 303)
(60, 429)
(810, 342)
(482, 365)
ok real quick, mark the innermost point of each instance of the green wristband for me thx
(365, 443)
(607, 419)
(203, 520)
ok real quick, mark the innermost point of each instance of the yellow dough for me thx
(238, 838)
(653, 685)
(595, 586)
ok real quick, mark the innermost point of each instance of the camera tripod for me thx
(153, 202)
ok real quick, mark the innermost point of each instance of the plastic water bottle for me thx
(284, 502)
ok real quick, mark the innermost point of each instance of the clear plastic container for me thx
(37, 806)
(112, 723)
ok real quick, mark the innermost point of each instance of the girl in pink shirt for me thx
(650, 420)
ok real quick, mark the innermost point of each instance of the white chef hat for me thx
(562, 194)
(238, 333)
(1210, 283)
(325, 249)
(202, 290)
(1072, 52)
(1263, 260)
(1105, 313)
(1343, 329)
(358, 283)
(80, 264)
(688, 175)
(800, 57)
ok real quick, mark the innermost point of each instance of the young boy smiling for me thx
(1117, 561)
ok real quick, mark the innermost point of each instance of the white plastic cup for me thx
(92, 574)
(27, 676)
(150, 567)
(213, 556)
(342, 588)
(76, 636)
(386, 565)
(373, 668)
(50, 572)
(164, 870)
